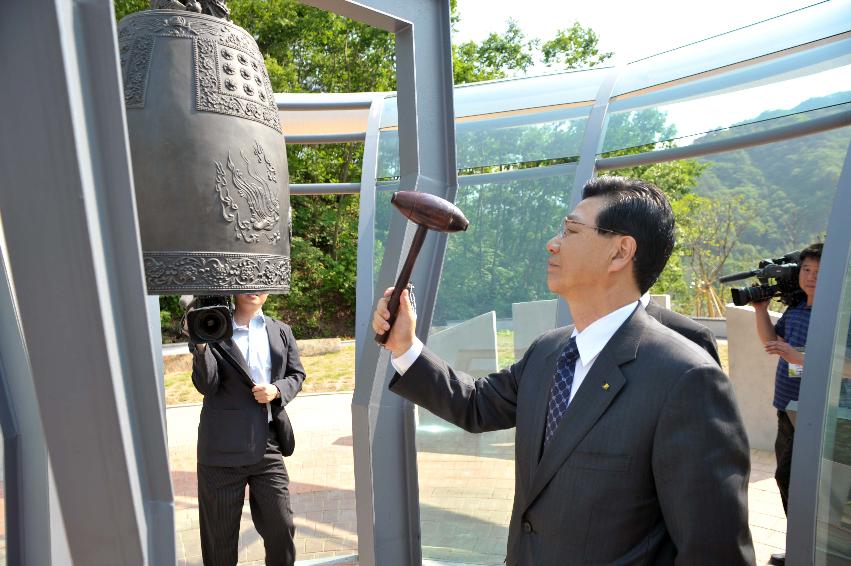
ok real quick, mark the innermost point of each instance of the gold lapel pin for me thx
(606, 386)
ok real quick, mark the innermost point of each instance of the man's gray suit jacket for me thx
(233, 426)
(649, 465)
(692, 330)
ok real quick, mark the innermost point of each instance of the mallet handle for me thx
(403, 280)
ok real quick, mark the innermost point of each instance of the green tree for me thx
(709, 230)
(124, 7)
(676, 179)
(573, 48)
(494, 57)
(509, 53)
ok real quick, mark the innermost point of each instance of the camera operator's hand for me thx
(782, 348)
(761, 306)
(265, 393)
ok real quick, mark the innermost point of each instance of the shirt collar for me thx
(256, 321)
(645, 299)
(596, 335)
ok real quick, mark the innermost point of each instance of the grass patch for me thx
(179, 389)
(329, 373)
(504, 348)
(335, 372)
(723, 353)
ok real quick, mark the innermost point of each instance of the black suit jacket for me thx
(233, 426)
(649, 465)
(692, 330)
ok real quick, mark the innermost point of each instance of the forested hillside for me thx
(790, 184)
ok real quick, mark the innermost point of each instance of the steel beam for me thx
(383, 425)
(73, 252)
(319, 139)
(325, 189)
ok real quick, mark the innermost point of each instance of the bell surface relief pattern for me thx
(178, 272)
(230, 76)
(261, 200)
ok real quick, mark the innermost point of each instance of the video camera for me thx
(208, 317)
(784, 272)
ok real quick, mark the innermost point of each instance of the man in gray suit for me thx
(629, 446)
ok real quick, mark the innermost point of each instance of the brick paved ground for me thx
(466, 485)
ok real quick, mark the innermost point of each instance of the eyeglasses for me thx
(567, 222)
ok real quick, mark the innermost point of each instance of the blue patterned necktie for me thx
(560, 392)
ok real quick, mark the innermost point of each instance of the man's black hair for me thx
(812, 251)
(641, 210)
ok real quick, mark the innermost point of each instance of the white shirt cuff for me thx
(406, 360)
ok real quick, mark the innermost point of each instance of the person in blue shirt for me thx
(787, 339)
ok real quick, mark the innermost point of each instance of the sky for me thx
(636, 29)
(631, 29)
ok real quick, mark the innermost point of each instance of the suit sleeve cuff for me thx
(406, 360)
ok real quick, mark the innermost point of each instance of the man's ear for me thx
(623, 253)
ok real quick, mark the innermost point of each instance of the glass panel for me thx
(497, 144)
(833, 522)
(388, 155)
(800, 27)
(513, 95)
(493, 300)
(495, 132)
(735, 208)
(802, 86)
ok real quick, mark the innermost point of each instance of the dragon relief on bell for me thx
(255, 192)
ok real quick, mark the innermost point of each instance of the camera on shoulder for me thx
(208, 317)
(776, 278)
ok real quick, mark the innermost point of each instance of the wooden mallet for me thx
(429, 213)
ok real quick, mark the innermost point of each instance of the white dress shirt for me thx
(590, 342)
(253, 341)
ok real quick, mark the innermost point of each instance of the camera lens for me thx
(210, 325)
(741, 297)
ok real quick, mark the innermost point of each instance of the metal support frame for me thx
(291, 106)
(325, 188)
(585, 169)
(12, 473)
(319, 139)
(804, 492)
(383, 428)
(29, 536)
(365, 285)
(463, 181)
(363, 409)
(73, 252)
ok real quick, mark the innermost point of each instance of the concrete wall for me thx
(718, 326)
(469, 346)
(752, 374)
(530, 321)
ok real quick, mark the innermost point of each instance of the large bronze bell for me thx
(208, 153)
